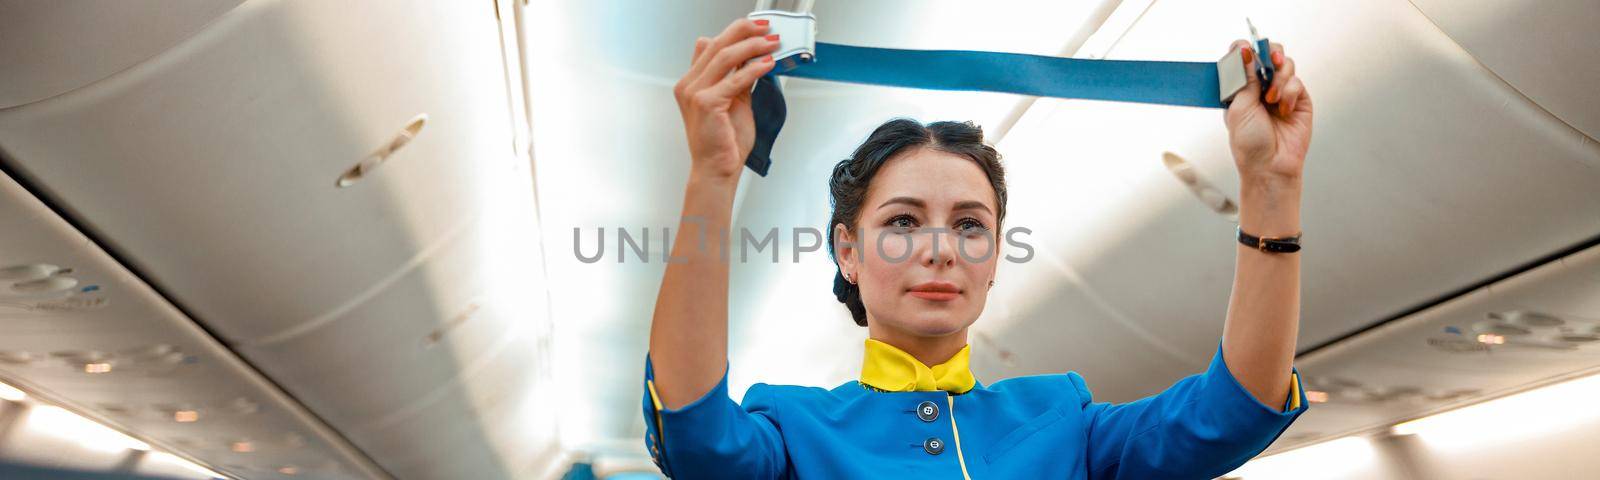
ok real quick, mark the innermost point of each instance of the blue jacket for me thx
(1045, 426)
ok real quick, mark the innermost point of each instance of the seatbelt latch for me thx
(797, 37)
(1231, 77)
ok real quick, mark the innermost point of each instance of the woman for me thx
(917, 410)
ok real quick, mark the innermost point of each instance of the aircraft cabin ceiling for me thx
(360, 216)
(406, 311)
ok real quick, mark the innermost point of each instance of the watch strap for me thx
(1270, 244)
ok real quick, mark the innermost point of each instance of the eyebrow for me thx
(916, 202)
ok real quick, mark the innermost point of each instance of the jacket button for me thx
(928, 411)
(933, 446)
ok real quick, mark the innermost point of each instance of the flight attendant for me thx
(917, 411)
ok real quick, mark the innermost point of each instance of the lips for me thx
(936, 291)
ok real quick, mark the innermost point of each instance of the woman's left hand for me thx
(1269, 139)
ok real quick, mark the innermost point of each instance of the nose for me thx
(939, 249)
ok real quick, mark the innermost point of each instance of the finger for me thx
(1294, 97)
(743, 79)
(735, 32)
(731, 57)
(1251, 94)
(1281, 80)
(700, 45)
(1303, 101)
(1238, 45)
(680, 90)
(1284, 70)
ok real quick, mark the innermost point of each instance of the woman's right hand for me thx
(714, 97)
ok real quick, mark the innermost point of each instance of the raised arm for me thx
(689, 331)
(1269, 143)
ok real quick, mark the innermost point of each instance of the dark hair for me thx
(848, 186)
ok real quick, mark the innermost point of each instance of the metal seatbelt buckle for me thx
(797, 37)
(1231, 72)
(1264, 68)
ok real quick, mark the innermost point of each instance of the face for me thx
(925, 246)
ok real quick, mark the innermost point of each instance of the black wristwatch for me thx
(1273, 245)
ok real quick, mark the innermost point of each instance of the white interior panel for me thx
(1548, 51)
(50, 48)
(212, 167)
(428, 324)
(259, 115)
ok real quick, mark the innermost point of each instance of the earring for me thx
(849, 278)
(991, 283)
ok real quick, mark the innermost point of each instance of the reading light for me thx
(98, 367)
(185, 416)
(1491, 339)
(1316, 396)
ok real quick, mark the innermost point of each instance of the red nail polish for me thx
(773, 37)
(761, 22)
(1249, 55)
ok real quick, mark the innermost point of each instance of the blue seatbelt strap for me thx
(1193, 84)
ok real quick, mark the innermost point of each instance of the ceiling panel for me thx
(1548, 51)
(159, 361)
(50, 48)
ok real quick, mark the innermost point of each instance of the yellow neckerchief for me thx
(887, 368)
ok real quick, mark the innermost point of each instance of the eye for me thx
(971, 227)
(901, 222)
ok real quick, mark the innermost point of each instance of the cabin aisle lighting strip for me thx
(1191, 84)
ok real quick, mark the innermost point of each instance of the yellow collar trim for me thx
(887, 368)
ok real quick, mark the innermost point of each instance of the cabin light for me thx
(98, 367)
(11, 393)
(242, 447)
(1491, 339)
(289, 470)
(179, 461)
(1316, 396)
(1540, 412)
(59, 422)
(1329, 459)
(1405, 428)
(185, 416)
